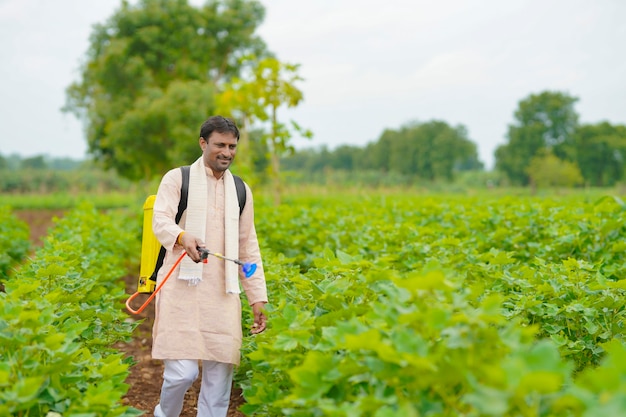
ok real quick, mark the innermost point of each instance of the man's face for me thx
(218, 151)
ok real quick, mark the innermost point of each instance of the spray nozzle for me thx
(248, 268)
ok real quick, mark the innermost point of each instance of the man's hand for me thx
(190, 243)
(260, 320)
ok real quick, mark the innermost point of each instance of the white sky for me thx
(368, 65)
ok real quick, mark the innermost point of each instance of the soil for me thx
(146, 376)
(39, 221)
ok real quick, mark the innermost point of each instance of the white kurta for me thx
(202, 321)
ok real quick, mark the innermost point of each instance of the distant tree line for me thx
(13, 162)
(42, 174)
(429, 151)
(545, 146)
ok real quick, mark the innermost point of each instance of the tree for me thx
(544, 120)
(239, 99)
(546, 170)
(431, 150)
(451, 149)
(601, 153)
(344, 157)
(64, 164)
(36, 162)
(379, 153)
(270, 85)
(150, 75)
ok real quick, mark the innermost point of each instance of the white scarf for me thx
(196, 224)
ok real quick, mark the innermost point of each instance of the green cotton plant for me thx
(83, 256)
(574, 305)
(62, 316)
(284, 284)
(45, 368)
(570, 302)
(32, 348)
(353, 339)
(455, 231)
(14, 241)
(550, 268)
(601, 391)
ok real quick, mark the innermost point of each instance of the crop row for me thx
(14, 241)
(379, 306)
(454, 306)
(60, 318)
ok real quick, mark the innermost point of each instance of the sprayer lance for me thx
(248, 268)
(204, 254)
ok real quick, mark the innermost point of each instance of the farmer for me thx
(198, 310)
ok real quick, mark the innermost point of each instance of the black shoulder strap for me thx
(182, 206)
(241, 193)
(184, 192)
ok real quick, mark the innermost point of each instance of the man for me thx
(198, 310)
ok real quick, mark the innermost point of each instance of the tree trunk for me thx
(275, 160)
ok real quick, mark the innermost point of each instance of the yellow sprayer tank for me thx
(150, 248)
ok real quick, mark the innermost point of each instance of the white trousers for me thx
(178, 376)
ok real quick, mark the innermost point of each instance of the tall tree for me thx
(239, 99)
(277, 81)
(148, 81)
(601, 153)
(546, 120)
(257, 98)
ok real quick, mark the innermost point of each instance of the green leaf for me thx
(343, 257)
(284, 342)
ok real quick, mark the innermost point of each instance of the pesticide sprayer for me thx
(248, 268)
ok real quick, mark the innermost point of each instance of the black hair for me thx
(218, 124)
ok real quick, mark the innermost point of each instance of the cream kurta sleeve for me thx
(249, 251)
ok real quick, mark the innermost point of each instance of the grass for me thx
(68, 201)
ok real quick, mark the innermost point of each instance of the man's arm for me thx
(249, 251)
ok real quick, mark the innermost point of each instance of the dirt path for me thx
(146, 375)
(39, 221)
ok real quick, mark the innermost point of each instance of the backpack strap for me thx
(184, 192)
(182, 206)
(241, 192)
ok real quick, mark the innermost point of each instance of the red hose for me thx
(145, 304)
